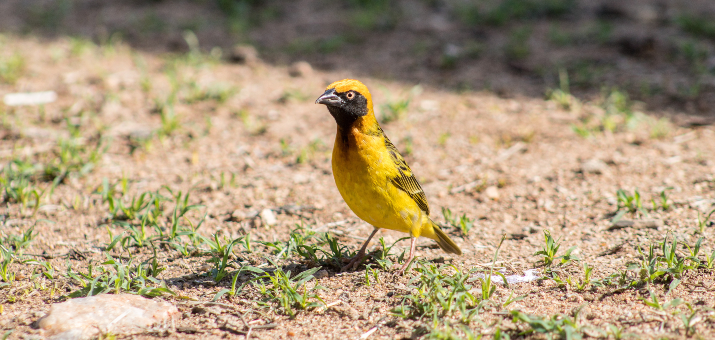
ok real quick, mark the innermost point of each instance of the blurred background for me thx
(660, 52)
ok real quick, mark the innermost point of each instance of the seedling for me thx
(291, 292)
(631, 203)
(703, 220)
(464, 223)
(220, 252)
(236, 290)
(383, 257)
(654, 303)
(562, 326)
(579, 285)
(663, 201)
(114, 275)
(689, 320)
(551, 248)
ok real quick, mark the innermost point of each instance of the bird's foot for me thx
(404, 266)
(354, 262)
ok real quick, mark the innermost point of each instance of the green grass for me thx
(217, 92)
(462, 223)
(289, 291)
(441, 293)
(500, 13)
(517, 47)
(557, 326)
(116, 276)
(701, 26)
(550, 250)
(395, 109)
(12, 68)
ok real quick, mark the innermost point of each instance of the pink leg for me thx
(359, 256)
(413, 243)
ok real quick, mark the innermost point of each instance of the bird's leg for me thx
(413, 243)
(359, 256)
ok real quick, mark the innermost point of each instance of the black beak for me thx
(329, 98)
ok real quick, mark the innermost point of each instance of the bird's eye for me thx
(350, 95)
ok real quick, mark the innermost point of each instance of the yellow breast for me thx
(362, 167)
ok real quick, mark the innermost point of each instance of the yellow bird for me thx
(371, 175)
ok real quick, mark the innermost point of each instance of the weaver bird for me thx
(371, 175)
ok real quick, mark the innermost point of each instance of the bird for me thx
(371, 175)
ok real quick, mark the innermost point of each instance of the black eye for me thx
(350, 95)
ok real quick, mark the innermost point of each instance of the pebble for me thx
(300, 69)
(653, 224)
(346, 311)
(244, 54)
(492, 193)
(86, 318)
(321, 274)
(594, 166)
(268, 217)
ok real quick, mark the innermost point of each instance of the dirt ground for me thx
(245, 138)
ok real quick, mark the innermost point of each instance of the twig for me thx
(372, 330)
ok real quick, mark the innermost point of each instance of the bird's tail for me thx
(444, 241)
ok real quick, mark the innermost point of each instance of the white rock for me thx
(85, 318)
(29, 98)
(492, 192)
(268, 217)
(594, 166)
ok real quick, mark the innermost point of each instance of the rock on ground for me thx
(85, 318)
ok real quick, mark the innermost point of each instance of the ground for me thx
(193, 172)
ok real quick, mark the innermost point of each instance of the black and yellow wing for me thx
(405, 180)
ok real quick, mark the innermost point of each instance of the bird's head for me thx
(347, 100)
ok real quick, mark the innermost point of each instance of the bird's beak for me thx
(329, 98)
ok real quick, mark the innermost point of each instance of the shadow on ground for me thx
(659, 52)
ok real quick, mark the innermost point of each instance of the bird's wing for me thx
(405, 180)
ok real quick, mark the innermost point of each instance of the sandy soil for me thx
(247, 137)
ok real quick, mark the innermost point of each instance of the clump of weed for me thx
(396, 109)
(11, 68)
(551, 248)
(116, 276)
(463, 223)
(291, 292)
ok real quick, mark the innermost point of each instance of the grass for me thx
(703, 220)
(290, 292)
(463, 223)
(697, 25)
(503, 12)
(517, 48)
(550, 249)
(396, 109)
(218, 92)
(617, 116)
(115, 276)
(559, 326)
(445, 292)
(12, 68)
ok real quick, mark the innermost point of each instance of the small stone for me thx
(268, 217)
(321, 274)
(594, 166)
(244, 54)
(654, 224)
(300, 69)
(583, 311)
(85, 318)
(492, 193)
(187, 329)
(346, 311)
